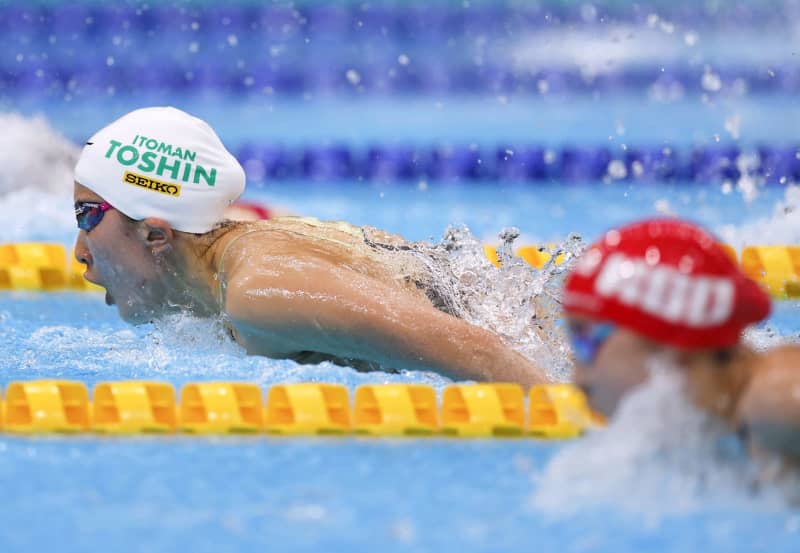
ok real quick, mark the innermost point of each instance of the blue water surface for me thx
(77, 494)
(333, 494)
(165, 494)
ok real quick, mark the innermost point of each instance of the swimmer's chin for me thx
(135, 318)
(146, 316)
(127, 315)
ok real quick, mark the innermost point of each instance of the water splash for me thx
(38, 217)
(762, 338)
(750, 180)
(178, 348)
(516, 301)
(783, 227)
(658, 446)
(36, 180)
(50, 167)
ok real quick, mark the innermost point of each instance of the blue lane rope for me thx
(772, 165)
(256, 75)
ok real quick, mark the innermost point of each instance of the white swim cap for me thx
(162, 162)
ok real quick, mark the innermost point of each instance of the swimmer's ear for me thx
(156, 234)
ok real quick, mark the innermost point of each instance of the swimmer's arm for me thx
(770, 406)
(319, 306)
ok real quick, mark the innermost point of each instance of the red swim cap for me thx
(669, 281)
(252, 211)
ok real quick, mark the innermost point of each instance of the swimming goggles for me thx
(587, 339)
(89, 214)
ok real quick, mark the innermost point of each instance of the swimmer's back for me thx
(285, 240)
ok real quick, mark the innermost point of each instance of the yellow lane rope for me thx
(46, 267)
(552, 411)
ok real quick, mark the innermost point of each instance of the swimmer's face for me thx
(620, 365)
(119, 257)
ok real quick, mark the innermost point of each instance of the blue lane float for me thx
(257, 74)
(774, 165)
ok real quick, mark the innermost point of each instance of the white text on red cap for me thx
(663, 291)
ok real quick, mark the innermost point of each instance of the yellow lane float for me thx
(134, 408)
(483, 410)
(559, 411)
(46, 406)
(45, 267)
(32, 266)
(221, 408)
(396, 410)
(40, 267)
(308, 409)
(144, 407)
(777, 268)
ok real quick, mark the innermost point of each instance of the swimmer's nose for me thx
(82, 250)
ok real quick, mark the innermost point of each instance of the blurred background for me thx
(413, 115)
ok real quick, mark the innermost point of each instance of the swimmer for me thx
(151, 190)
(666, 289)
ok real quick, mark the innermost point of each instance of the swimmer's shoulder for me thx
(234, 238)
(771, 374)
(301, 227)
(774, 382)
(783, 357)
(783, 354)
(255, 244)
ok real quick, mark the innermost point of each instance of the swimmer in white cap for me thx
(665, 289)
(150, 198)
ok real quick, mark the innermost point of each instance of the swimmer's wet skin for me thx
(666, 289)
(288, 288)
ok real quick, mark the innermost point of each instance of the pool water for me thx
(481, 75)
(352, 494)
(78, 494)
(331, 494)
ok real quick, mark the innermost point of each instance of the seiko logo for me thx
(665, 292)
(151, 184)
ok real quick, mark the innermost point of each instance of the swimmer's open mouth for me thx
(109, 299)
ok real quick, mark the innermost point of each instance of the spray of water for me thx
(49, 170)
(783, 227)
(518, 302)
(660, 456)
(36, 180)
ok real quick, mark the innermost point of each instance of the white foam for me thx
(659, 456)
(34, 156)
(596, 50)
(516, 301)
(38, 216)
(783, 227)
(762, 338)
(36, 180)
